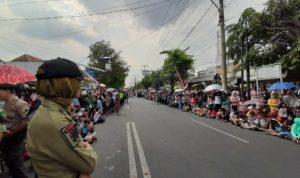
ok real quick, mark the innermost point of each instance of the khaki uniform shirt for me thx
(54, 144)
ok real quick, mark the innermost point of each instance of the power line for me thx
(83, 15)
(206, 49)
(192, 10)
(199, 38)
(43, 47)
(160, 35)
(195, 26)
(145, 36)
(28, 2)
(8, 49)
(114, 7)
(173, 20)
(163, 34)
(122, 6)
(13, 44)
(95, 27)
(183, 23)
(176, 18)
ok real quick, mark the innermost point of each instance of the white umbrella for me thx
(213, 87)
(110, 89)
(102, 85)
(178, 90)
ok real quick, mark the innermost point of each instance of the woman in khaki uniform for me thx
(53, 140)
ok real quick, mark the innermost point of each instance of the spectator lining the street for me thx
(87, 132)
(254, 117)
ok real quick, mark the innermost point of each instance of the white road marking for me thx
(132, 164)
(225, 133)
(145, 168)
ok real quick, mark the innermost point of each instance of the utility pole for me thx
(144, 72)
(242, 67)
(218, 51)
(247, 62)
(134, 80)
(222, 31)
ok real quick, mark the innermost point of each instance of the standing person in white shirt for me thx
(217, 101)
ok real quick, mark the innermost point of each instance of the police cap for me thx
(58, 68)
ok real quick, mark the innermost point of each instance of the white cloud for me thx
(109, 27)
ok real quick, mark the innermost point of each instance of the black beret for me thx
(58, 68)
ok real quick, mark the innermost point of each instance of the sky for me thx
(139, 29)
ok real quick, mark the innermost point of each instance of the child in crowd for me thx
(196, 109)
(226, 115)
(185, 107)
(276, 128)
(252, 122)
(87, 132)
(98, 117)
(289, 131)
(203, 112)
(252, 108)
(220, 115)
(211, 113)
(235, 119)
(283, 114)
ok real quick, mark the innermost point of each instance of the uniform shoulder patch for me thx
(71, 133)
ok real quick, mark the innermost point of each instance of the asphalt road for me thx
(176, 144)
(150, 140)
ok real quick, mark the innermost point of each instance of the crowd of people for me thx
(43, 121)
(276, 113)
(89, 109)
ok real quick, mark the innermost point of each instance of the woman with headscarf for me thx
(53, 139)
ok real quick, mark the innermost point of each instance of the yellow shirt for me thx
(272, 102)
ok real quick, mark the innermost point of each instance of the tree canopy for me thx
(270, 36)
(178, 62)
(114, 78)
(156, 80)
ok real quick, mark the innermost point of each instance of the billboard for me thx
(269, 72)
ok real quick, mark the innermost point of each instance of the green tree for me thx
(114, 78)
(146, 82)
(158, 79)
(284, 25)
(177, 62)
(246, 35)
(271, 36)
